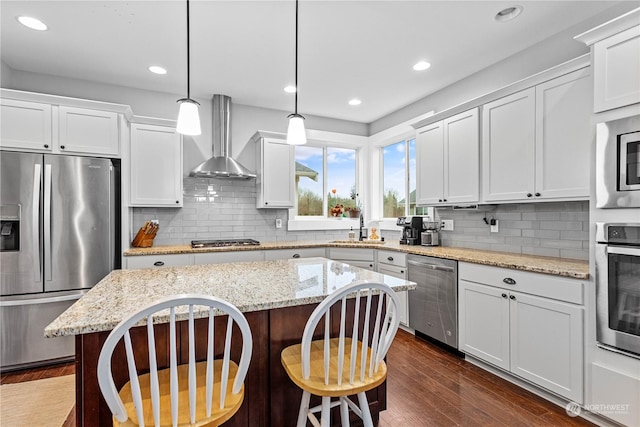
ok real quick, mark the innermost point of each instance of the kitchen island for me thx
(277, 298)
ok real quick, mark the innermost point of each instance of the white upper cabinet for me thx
(274, 173)
(45, 123)
(88, 131)
(615, 56)
(616, 70)
(448, 153)
(156, 166)
(508, 138)
(25, 125)
(430, 158)
(536, 142)
(563, 136)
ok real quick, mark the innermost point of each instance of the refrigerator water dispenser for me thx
(9, 228)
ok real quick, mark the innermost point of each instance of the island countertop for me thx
(251, 286)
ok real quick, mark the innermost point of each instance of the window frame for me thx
(326, 140)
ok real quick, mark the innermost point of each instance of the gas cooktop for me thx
(225, 242)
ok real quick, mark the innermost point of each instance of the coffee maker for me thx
(411, 229)
(431, 233)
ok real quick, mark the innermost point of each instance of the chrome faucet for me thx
(361, 225)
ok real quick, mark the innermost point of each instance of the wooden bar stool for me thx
(350, 364)
(194, 394)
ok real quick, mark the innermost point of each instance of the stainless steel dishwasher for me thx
(433, 305)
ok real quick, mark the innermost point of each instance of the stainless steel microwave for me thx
(618, 163)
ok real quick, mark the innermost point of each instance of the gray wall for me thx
(5, 75)
(541, 56)
(218, 209)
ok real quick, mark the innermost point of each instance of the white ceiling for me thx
(245, 49)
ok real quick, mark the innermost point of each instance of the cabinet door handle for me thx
(440, 200)
(504, 295)
(390, 258)
(266, 203)
(62, 147)
(296, 256)
(158, 263)
(513, 297)
(509, 281)
(178, 201)
(371, 265)
(444, 200)
(538, 194)
(46, 145)
(529, 195)
(402, 271)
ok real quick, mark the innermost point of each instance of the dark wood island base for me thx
(271, 399)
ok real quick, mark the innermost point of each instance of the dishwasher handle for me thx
(431, 266)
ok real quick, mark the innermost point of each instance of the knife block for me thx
(145, 236)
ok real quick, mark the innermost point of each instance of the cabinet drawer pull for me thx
(390, 258)
(46, 145)
(402, 271)
(296, 256)
(509, 281)
(158, 263)
(178, 201)
(538, 194)
(62, 147)
(504, 295)
(512, 297)
(529, 195)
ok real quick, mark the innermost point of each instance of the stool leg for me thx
(364, 407)
(344, 412)
(325, 420)
(304, 409)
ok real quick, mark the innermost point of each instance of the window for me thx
(399, 180)
(325, 181)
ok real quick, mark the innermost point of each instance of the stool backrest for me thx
(375, 343)
(105, 377)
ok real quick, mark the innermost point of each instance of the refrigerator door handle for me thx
(47, 222)
(37, 266)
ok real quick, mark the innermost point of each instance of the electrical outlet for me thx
(494, 225)
(447, 225)
(278, 223)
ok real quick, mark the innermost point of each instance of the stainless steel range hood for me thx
(221, 165)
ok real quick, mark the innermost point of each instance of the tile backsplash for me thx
(558, 229)
(221, 209)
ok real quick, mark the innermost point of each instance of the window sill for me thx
(322, 224)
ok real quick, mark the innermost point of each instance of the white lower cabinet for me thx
(155, 261)
(401, 273)
(231, 256)
(539, 339)
(294, 253)
(363, 258)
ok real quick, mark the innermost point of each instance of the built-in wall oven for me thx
(617, 256)
(618, 163)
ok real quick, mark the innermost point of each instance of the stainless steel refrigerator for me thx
(57, 240)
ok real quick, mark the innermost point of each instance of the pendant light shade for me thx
(188, 116)
(296, 134)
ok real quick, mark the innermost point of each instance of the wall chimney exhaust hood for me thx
(221, 165)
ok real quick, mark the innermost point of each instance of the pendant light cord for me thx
(296, 73)
(188, 57)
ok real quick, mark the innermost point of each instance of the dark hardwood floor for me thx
(426, 386)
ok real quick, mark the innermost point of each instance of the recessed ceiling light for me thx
(33, 23)
(355, 101)
(290, 89)
(507, 14)
(156, 69)
(421, 66)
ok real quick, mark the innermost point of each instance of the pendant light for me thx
(296, 133)
(188, 116)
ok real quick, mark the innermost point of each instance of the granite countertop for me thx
(539, 264)
(251, 286)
